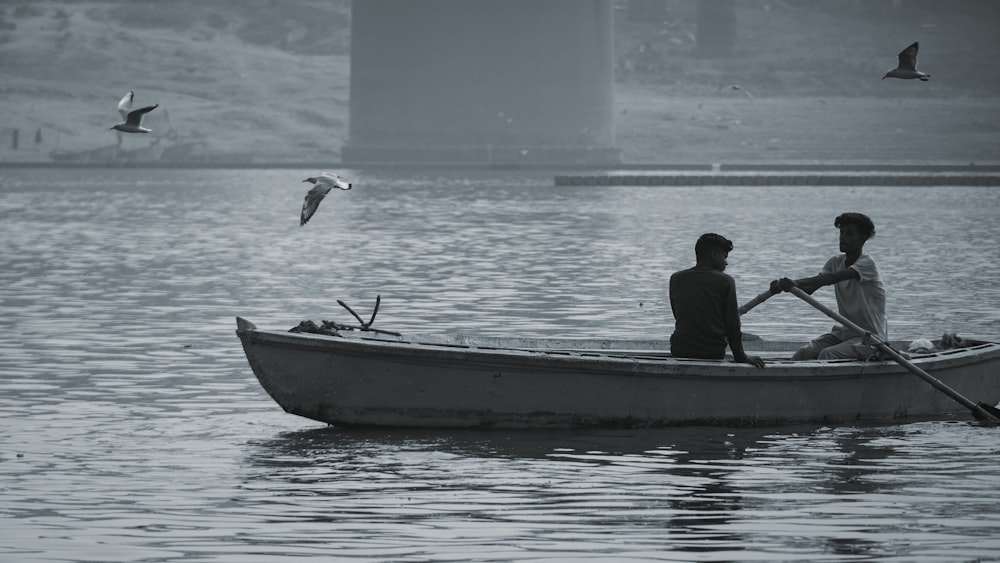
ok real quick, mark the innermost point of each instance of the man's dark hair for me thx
(709, 242)
(859, 219)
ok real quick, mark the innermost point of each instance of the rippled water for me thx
(132, 429)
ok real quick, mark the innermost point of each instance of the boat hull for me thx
(359, 381)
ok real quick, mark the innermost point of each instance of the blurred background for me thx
(266, 82)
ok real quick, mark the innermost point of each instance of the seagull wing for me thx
(311, 203)
(125, 105)
(135, 116)
(908, 57)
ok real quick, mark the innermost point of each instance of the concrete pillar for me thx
(489, 81)
(716, 28)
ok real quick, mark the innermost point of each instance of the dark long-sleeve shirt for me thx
(706, 314)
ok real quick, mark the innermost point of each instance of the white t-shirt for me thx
(860, 300)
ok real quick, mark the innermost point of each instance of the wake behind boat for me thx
(366, 377)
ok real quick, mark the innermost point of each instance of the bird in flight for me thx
(907, 67)
(132, 117)
(324, 183)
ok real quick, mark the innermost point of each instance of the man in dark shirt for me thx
(703, 299)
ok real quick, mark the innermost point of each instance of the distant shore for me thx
(656, 129)
(803, 169)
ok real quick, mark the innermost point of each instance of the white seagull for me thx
(907, 67)
(324, 183)
(132, 117)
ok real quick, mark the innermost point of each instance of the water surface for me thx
(132, 429)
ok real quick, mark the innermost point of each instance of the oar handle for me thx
(977, 410)
(755, 301)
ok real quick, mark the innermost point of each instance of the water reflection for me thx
(595, 485)
(709, 493)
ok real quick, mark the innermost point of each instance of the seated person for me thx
(703, 300)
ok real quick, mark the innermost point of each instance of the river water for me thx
(132, 428)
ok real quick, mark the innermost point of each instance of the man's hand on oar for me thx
(783, 284)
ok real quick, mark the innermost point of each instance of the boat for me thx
(366, 377)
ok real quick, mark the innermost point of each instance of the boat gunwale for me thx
(619, 362)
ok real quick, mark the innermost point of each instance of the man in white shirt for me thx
(859, 290)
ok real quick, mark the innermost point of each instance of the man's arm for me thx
(810, 285)
(734, 332)
(740, 356)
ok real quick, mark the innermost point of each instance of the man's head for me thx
(712, 249)
(855, 230)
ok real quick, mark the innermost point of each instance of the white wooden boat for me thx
(365, 378)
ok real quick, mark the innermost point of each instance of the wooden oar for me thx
(755, 301)
(981, 410)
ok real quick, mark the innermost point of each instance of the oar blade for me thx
(990, 410)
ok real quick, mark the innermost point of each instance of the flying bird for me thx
(132, 117)
(907, 67)
(324, 183)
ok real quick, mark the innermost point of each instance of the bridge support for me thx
(501, 82)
